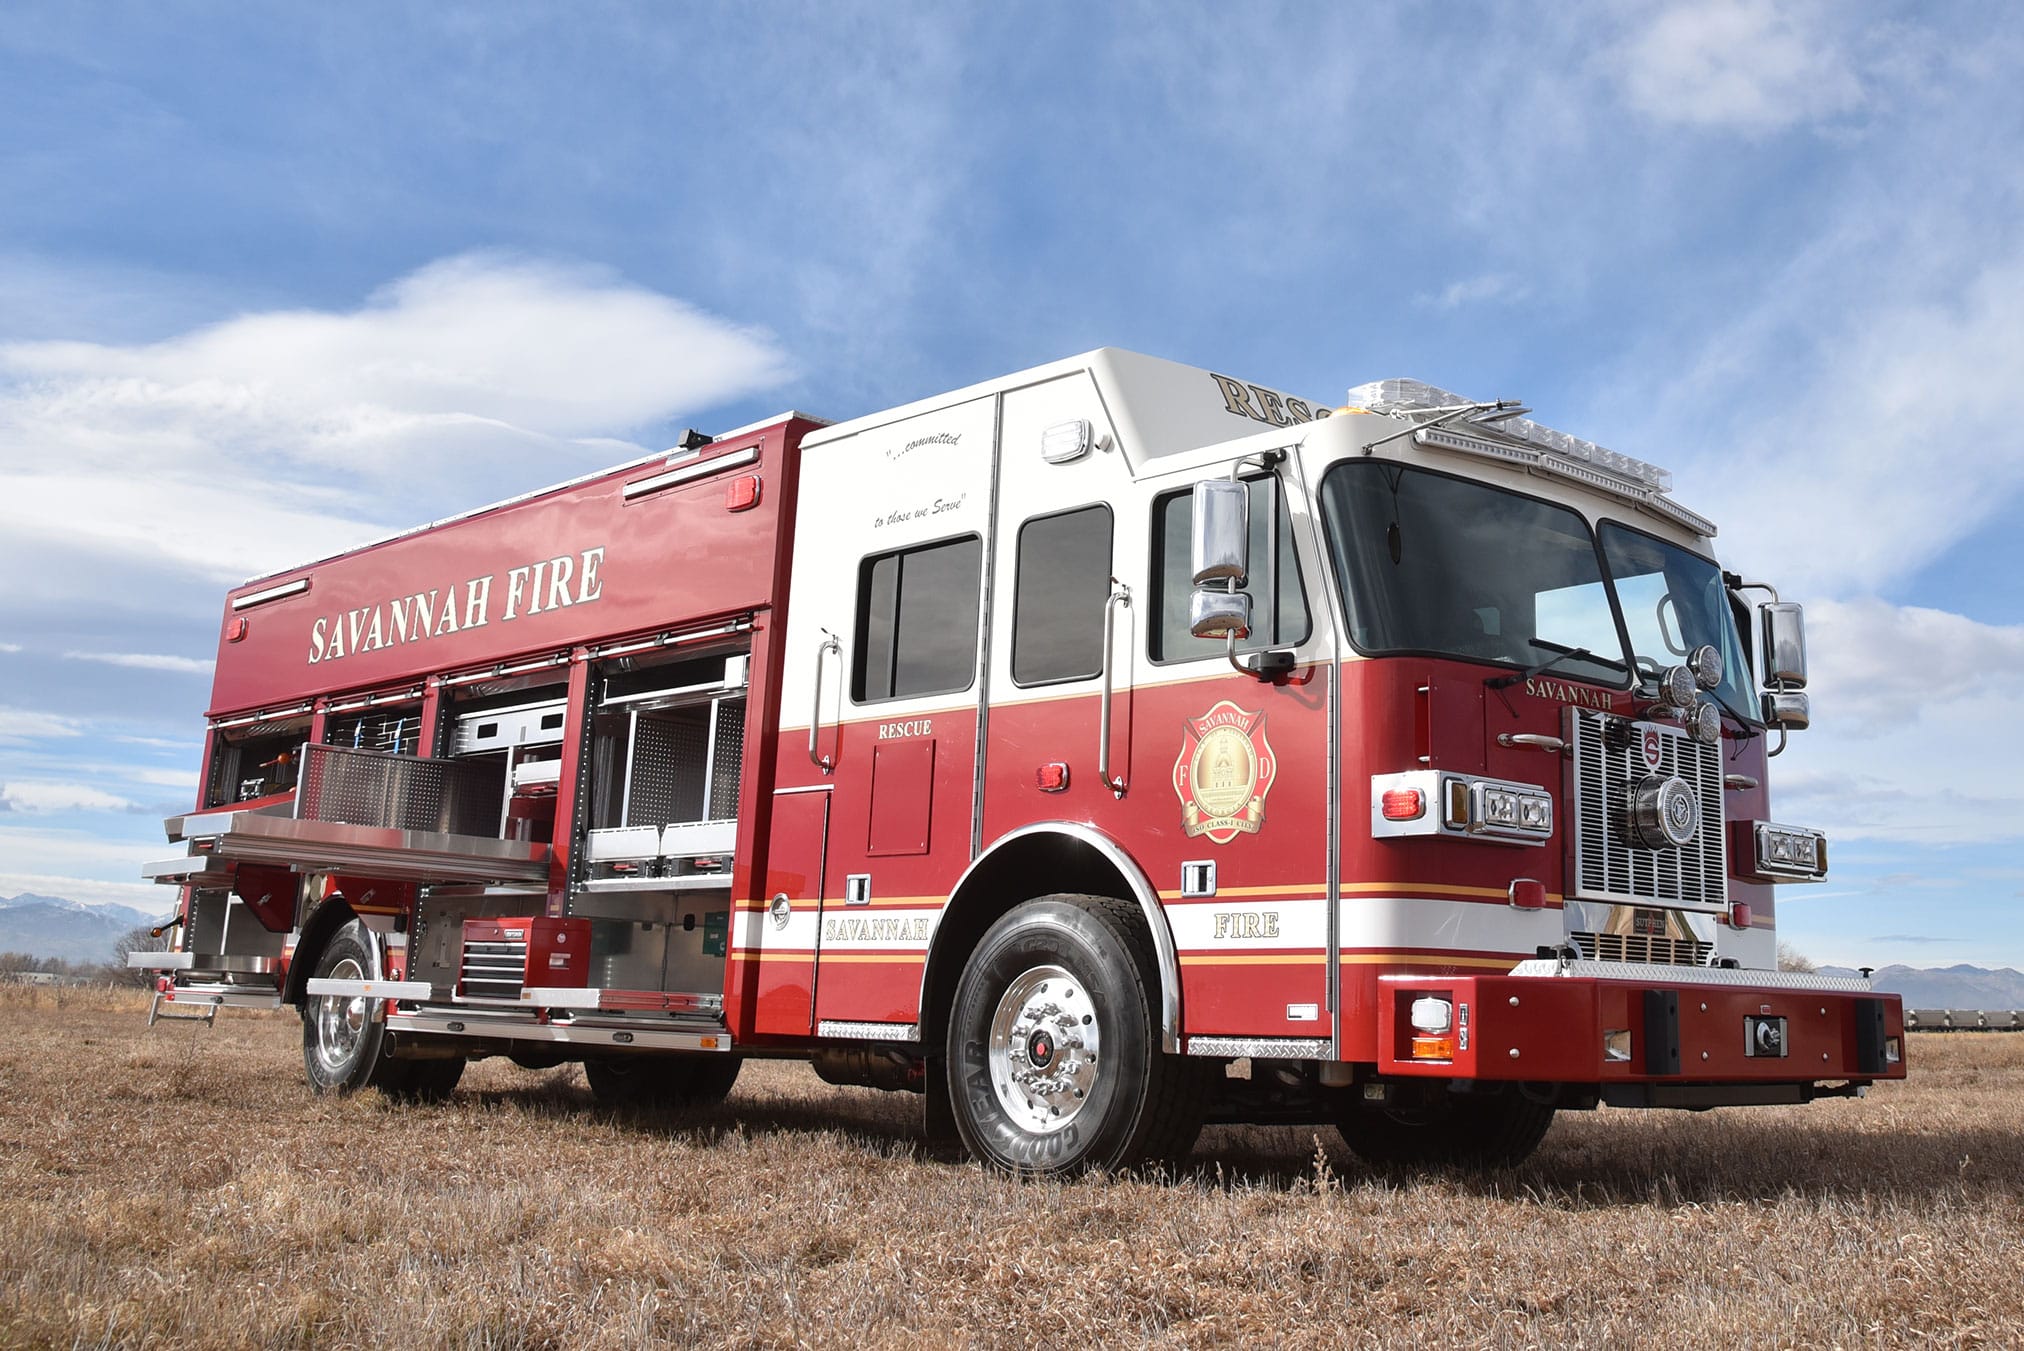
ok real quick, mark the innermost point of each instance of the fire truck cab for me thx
(1096, 751)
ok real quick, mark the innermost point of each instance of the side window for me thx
(1278, 604)
(917, 621)
(1057, 610)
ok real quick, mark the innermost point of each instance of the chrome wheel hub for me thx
(1043, 1053)
(340, 1020)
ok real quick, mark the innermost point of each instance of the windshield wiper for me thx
(1561, 654)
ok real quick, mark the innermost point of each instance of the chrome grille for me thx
(1608, 864)
(1601, 947)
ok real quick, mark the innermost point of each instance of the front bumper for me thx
(1652, 1035)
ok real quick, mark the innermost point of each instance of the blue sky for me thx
(273, 282)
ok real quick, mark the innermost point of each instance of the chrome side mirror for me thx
(1784, 645)
(1220, 550)
(1221, 545)
(1786, 709)
(1219, 614)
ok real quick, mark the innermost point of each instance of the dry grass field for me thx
(178, 1187)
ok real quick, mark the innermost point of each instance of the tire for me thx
(662, 1081)
(344, 1048)
(1489, 1130)
(1054, 1058)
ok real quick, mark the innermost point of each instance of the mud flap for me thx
(1869, 1037)
(1661, 1031)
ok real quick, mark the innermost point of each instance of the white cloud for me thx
(10, 647)
(1743, 65)
(36, 796)
(1487, 288)
(24, 724)
(1904, 744)
(163, 778)
(145, 661)
(341, 424)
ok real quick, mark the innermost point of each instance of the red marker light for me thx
(742, 494)
(1403, 804)
(1739, 915)
(1527, 894)
(1053, 777)
(235, 631)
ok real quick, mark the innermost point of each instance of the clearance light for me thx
(1739, 915)
(1433, 1020)
(1789, 853)
(1403, 804)
(1429, 802)
(742, 493)
(1527, 894)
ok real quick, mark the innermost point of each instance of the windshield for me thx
(1438, 564)
(1673, 602)
(1431, 563)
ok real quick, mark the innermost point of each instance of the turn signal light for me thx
(1403, 804)
(1431, 1046)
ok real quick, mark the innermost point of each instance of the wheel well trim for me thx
(1142, 891)
(302, 961)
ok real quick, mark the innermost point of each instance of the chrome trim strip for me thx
(1655, 974)
(640, 487)
(371, 989)
(1261, 1048)
(271, 593)
(220, 997)
(160, 961)
(470, 1023)
(870, 1031)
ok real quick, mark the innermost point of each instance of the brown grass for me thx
(180, 1187)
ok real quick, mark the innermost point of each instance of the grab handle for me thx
(825, 763)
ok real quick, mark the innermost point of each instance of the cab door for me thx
(881, 691)
(1232, 773)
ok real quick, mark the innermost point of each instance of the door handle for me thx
(825, 763)
(1119, 597)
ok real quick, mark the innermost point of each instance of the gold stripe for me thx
(1300, 891)
(1426, 959)
(1252, 959)
(1319, 891)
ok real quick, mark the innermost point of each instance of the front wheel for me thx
(1054, 1055)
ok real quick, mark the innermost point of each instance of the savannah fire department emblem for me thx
(1225, 769)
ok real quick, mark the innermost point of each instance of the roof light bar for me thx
(1416, 396)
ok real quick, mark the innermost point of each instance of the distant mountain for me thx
(49, 926)
(1946, 987)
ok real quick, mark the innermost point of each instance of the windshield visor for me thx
(1674, 602)
(1435, 564)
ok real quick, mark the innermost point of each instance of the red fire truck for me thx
(1095, 751)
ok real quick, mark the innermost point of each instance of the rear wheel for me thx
(662, 1081)
(1054, 1056)
(1487, 1130)
(344, 1047)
